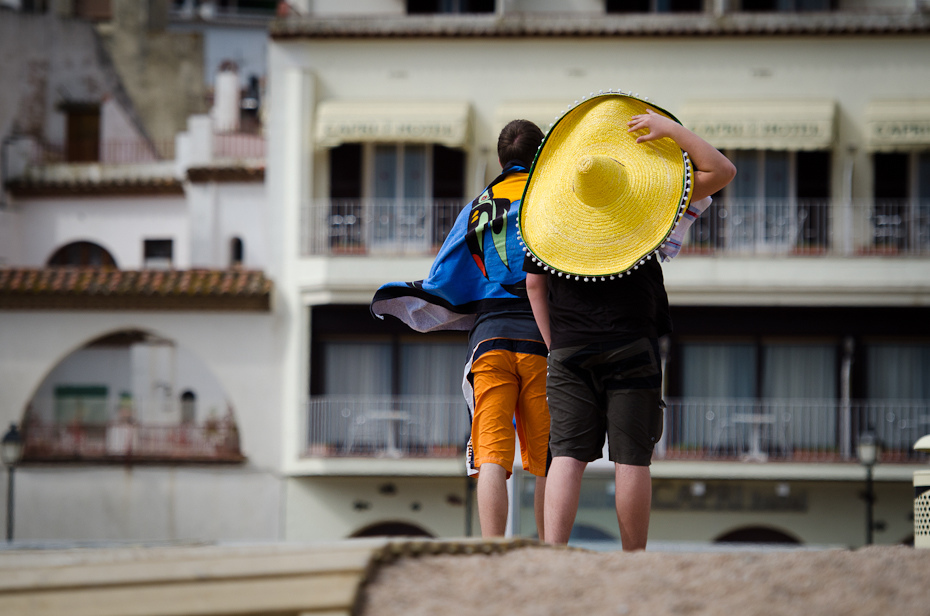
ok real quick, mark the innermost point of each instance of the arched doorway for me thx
(757, 534)
(119, 397)
(392, 529)
(82, 254)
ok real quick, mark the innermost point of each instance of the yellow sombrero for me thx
(597, 204)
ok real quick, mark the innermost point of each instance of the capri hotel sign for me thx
(895, 124)
(390, 130)
(418, 122)
(783, 125)
(762, 129)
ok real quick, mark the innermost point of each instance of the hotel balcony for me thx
(710, 430)
(386, 426)
(738, 227)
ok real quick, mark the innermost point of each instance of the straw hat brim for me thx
(571, 236)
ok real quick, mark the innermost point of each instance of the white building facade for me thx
(797, 304)
(799, 301)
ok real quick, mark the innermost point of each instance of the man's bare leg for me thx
(492, 499)
(562, 492)
(539, 507)
(634, 501)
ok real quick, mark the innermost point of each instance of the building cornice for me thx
(89, 187)
(598, 25)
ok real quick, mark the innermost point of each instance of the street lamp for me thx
(869, 452)
(11, 450)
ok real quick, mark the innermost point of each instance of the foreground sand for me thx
(539, 581)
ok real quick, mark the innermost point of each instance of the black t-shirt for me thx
(626, 308)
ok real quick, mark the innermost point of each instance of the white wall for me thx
(323, 508)
(118, 225)
(222, 211)
(141, 503)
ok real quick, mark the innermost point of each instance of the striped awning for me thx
(443, 122)
(770, 124)
(896, 125)
(543, 113)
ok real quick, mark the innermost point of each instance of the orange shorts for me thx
(510, 388)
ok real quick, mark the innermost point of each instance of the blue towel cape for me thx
(478, 269)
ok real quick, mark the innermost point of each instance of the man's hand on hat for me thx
(658, 126)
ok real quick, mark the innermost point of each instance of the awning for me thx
(895, 125)
(763, 124)
(443, 122)
(540, 112)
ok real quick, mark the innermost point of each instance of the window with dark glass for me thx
(158, 254)
(424, 7)
(377, 386)
(236, 251)
(778, 202)
(413, 193)
(448, 189)
(787, 6)
(654, 6)
(901, 206)
(736, 390)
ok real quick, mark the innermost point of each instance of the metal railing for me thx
(790, 430)
(386, 426)
(695, 429)
(238, 146)
(802, 227)
(130, 442)
(812, 227)
(377, 226)
(224, 147)
(109, 152)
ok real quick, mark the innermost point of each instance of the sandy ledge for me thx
(543, 580)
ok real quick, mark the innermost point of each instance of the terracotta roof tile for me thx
(518, 25)
(67, 288)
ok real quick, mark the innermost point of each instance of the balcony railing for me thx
(127, 442)
(377, 226)
(695, 429)
(730, 227)
(790, 430)
(233, 146)
(386, 426)
(812, 227)
(109, 152)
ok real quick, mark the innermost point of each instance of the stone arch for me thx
(81, 254)
(757, 534)
(84, 405)
(395, 528)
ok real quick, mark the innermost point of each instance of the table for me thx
(755, 421)
(390, 422)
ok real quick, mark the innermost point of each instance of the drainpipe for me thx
(849, 212)
(846, 399)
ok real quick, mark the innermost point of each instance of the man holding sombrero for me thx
(613, 178)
